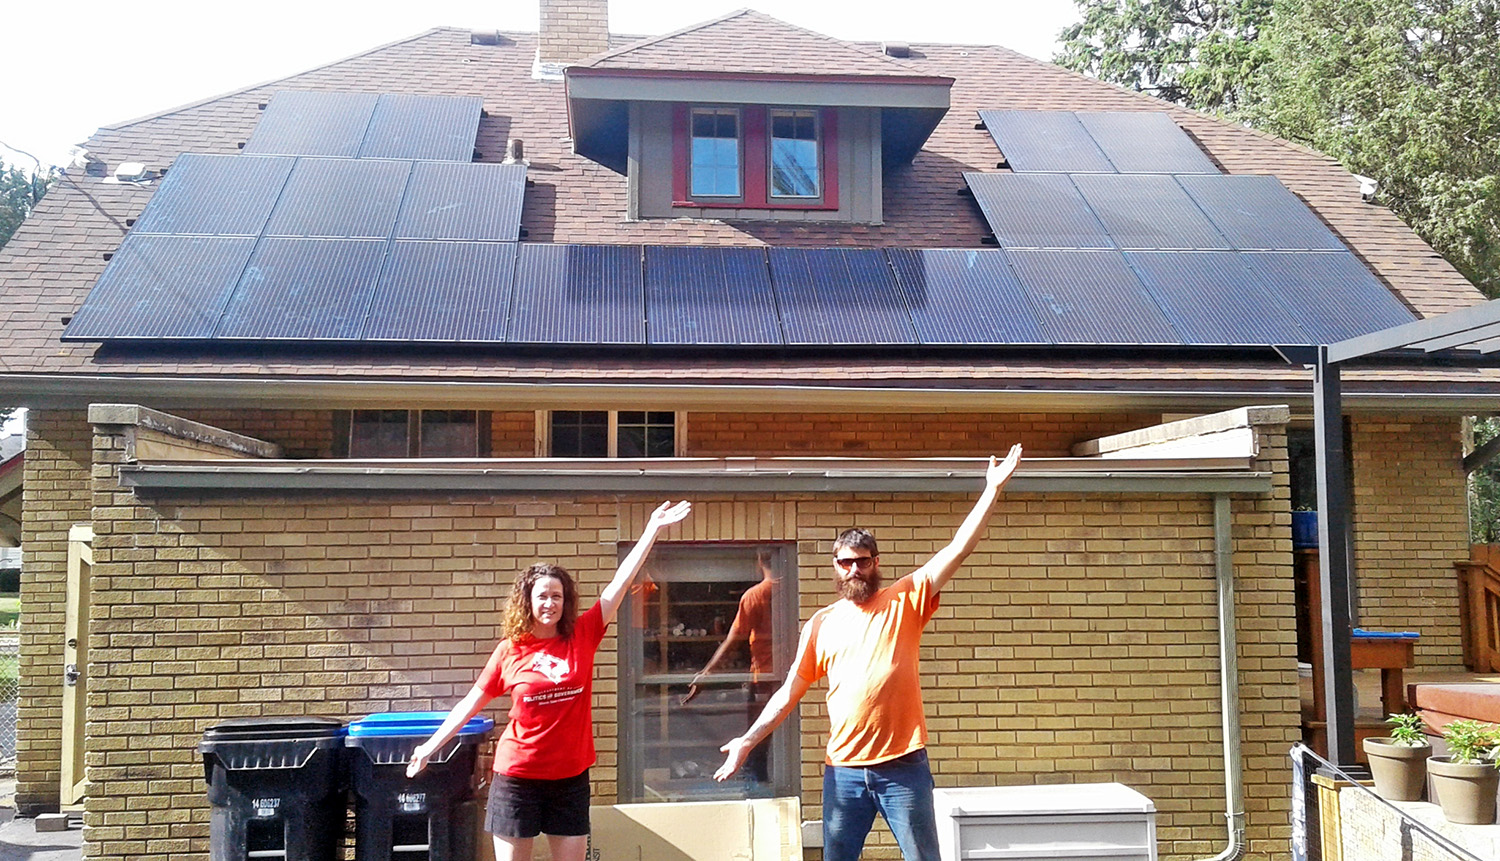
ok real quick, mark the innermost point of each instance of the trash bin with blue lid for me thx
(277, 786)
(430, 817)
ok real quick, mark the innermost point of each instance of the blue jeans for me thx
(901, 790)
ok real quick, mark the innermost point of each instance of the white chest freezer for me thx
(1021, 823)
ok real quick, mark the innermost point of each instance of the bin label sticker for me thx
(412, 802)
(265, 807)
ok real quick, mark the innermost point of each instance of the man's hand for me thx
(999, 473)
(738, 750)
(666, 514)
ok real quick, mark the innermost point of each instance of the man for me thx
(866, 643)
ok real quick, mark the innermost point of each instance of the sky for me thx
(100, 62)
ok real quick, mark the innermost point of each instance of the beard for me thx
(860, 588)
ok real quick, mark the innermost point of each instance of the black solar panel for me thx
(1090, 297)
(1332, 294)
(1036, 211)
(578, 294)
(423, 127)
(839, 296)
(1147, 212)
(1258, 213)
(297, 122)
(304, 289)
(961, 296)
(1213, 297)
(1045, 141)
(1145, 142)
(463, 201)
(351, 198)
(443, 291)
(215, 195)
(700, 295)
(169, 287)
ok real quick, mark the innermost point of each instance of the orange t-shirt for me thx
(869, 654)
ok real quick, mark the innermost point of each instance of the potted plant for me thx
(1399, 763)
(1465, 780)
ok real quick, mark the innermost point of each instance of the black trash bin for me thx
(278, 788)
(431, 817)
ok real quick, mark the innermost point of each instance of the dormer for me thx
(748, 118)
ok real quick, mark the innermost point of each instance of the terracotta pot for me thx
(1400, 771)
(1466, 791)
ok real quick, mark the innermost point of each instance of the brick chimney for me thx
(572, 30)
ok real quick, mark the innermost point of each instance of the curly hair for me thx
(856, 539)
(518, 618)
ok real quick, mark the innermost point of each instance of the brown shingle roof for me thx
(747, 42)
(48, 268)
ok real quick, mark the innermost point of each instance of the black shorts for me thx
(525, 807)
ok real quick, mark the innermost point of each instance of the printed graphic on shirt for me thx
(554, 668)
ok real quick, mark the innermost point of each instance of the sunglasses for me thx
(848, 562)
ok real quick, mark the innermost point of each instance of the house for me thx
(293, 427)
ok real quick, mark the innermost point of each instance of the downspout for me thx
(1229, 676)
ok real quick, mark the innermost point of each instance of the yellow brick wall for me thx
(573, 29)
(1411, 525)
(56, 496)
(1078, 645)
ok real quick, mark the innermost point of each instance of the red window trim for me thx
(756, 152)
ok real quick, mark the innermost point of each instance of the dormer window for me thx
(755, 157)
(794, 155)
(716, 153)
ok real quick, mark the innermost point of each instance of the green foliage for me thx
(19, 194)
(1406, 92)
(1470, 741)
(1484, 489)
(1407, 730)
(1199, 54)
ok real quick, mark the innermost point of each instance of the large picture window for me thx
(708, 634)
(755, 157)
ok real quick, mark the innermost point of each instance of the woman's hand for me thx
(419, 759)
(999, 473)
(666, 514)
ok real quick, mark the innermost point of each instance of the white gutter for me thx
(1229, 681)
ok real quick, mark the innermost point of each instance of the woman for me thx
(546, 664)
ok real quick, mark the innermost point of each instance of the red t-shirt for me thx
(550, 735)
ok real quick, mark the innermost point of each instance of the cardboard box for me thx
(763, 829)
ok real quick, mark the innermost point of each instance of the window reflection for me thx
(713, 632)
(794, 154)
(716, 153)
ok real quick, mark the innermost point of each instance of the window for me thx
(411, 433)
(716, 152)
(755, 157)
(794, 154)
(609, 433)
(726, 615)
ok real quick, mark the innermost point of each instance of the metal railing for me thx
(1417, 839)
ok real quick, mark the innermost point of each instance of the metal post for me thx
(1333, 558)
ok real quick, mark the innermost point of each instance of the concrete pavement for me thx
(20, 841)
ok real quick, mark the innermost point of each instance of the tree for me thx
(1405, 92)
(19, 194)
(1199, 53)
(1484, 488)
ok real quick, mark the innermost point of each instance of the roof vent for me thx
(486, 37)
(896, 49)
(132, 171)
(515, 151)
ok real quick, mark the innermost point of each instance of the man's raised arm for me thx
(941, 567)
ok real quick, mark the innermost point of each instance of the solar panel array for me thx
(172, 288)
(367, 125)
(1095, 142)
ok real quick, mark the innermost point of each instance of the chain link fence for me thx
(10, 686)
